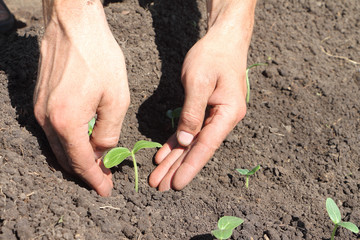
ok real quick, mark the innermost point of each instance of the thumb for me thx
(110, 115)
(191, 118)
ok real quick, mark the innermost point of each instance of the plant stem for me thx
(247, 182)
(247, 85)
(136, 172)
(334, 231)
(172, 122)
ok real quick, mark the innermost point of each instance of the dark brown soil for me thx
(302, 127)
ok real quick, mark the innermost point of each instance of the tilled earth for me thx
(302, 127)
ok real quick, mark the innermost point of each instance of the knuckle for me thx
(57, 119)
(191, 121)
(195, 79)
(240, 114)
(126, 101)
(39, 114)
(116, 101)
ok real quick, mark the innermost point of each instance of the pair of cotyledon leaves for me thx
(335, 216)
(226, 225)
(116, 155)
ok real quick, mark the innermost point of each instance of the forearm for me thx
(232, 18)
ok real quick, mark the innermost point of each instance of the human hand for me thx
(213, 75)
(82, 73)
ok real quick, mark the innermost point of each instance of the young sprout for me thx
(116, 155)
(226, 225)
(335, 216)
(172, 114)
(248, 173)
(248, 81)
(91, 125)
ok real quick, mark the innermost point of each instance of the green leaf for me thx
(333, 211)
(91, 125)
(254, 170)
(144, 144)
(169, 113)
(226, 226)
(242, 171)
(350, 226)
(177, 112)
(174, 113)
(229, 222)
(115, 156)
(61, 219)
(222, 233)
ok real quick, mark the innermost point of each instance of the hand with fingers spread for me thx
(213, 77)
(82, 73)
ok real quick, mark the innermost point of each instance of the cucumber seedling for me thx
(117, 155)
(91, 125)
(248, 81)
(335, 216)
(226, 225)
(247, 173)
(172, 114)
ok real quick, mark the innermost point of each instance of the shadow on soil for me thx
(19, 60)
(203, 237)
(176, 31)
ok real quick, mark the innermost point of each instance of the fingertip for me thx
(164, 185)
(105, 188)
(104, 193)
(153, 181)
(177, 187)
(99, 178)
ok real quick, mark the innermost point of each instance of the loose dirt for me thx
(302, 126)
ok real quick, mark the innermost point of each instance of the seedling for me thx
(335, 216)
(248, 173)
(172, 114)
(117, 155)
(61, 220)
(91, 125)
(248, 81)
(226, 225)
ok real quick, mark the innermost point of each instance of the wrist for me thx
(75, 20)
(73, 12)
(232, 18)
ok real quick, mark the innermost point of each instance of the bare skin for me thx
(213, 75)
(69, 91)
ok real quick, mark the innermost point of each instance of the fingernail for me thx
(184, 138)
